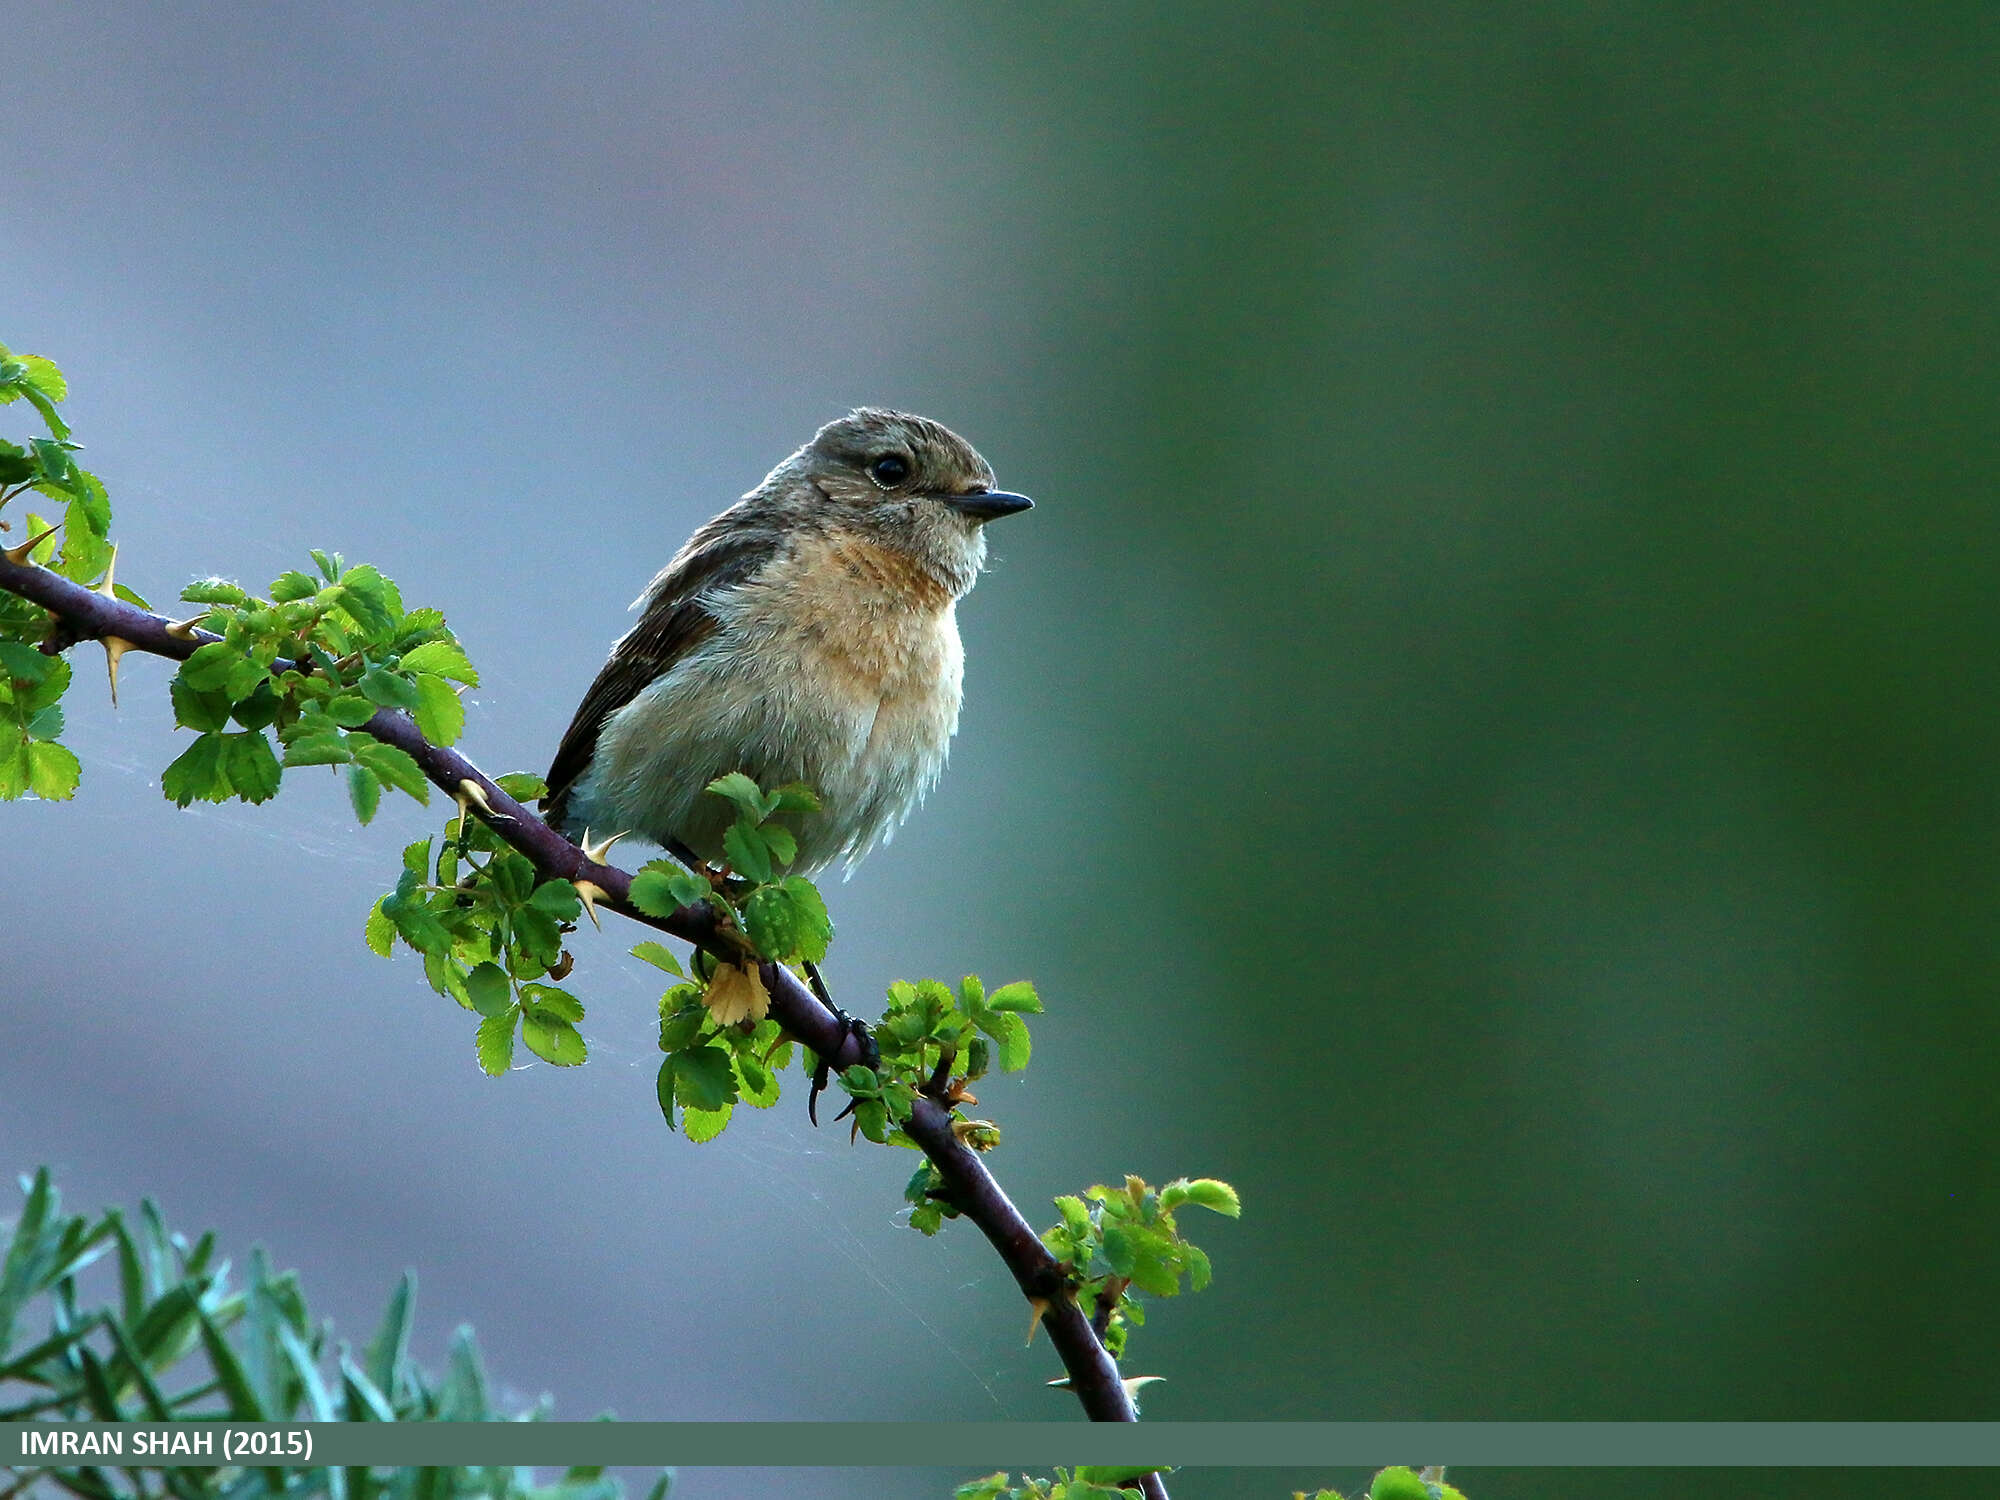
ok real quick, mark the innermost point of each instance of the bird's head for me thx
(901, 480)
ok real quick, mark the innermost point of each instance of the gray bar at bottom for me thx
(996, 1445)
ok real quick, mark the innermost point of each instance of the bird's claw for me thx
(871, 1057)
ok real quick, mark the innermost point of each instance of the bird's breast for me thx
(838, 665)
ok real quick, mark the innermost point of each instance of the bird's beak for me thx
(987, 505)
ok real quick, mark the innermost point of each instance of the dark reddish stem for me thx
(1093, 1374)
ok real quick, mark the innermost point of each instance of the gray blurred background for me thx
(1487, 741)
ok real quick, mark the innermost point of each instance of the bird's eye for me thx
(890, 470)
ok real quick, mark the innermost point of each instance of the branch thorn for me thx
(595, 852)
(589, 892)
(1040, 1305)
(114, 646)
(19, 555)
(471, 791)
(105, 588)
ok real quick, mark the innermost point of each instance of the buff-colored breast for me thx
(838, 665)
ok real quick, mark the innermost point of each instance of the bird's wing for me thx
(675, 621)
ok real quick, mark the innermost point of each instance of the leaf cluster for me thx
(783, 916)
(1397, 1483)
(313, 662)
(173, 1341)
(490, 932)
(711, 1065)
(32, 682)
(1114, 1241)
(1088, 1482)
(31, 716)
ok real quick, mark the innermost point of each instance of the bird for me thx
(807, 634)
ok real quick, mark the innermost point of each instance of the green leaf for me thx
(1398, 1483)
(389, 689)
(522, 786)
(661, 888)
(1151, 1269)
(992, 1487)
(52, 772)
(782, 843)
(53, 452)
(215, 591)
(318, 750)
(663, 1089)
(746, 851)
(788, 921)
(43, 376)
(536, 931)
(559, 1004)
(558, 899)
(660, 957)
(243, 1403)
(741, 790)
(350, 710)
(364, 791)
(250, 765)
(293, 585)
(551, 1038)
(244, 678)
(704, 1078)
(196, 774)
(15, 769)
(208, 669)
(758, 1085)
(1207, 1192)
(23, 662)
(92, 506)
(495, 1042)
(394, 766)
(1119, 1251)
(259, 710)
(871, 1118)
(513, 876)
(46, 547)
(388, 1355)
(489, 989)
(39, 695)
(1010, 1035)
(380, 931)
(796, 797)
(1018, 996)
(371, 599)
(1075, 1215)
(703, 1125)
(85, 554)
(680, 1021)
(445, 658)
(440, 716)
(363, 1399)
(47, 724)
(1199, 1271)
(194, 709)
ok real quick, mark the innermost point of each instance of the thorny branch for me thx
(1093, 1374)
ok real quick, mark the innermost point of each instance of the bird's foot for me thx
(850, 1026)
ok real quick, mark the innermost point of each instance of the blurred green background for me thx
(1487, 741)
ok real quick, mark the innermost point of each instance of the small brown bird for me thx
(808, 633)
